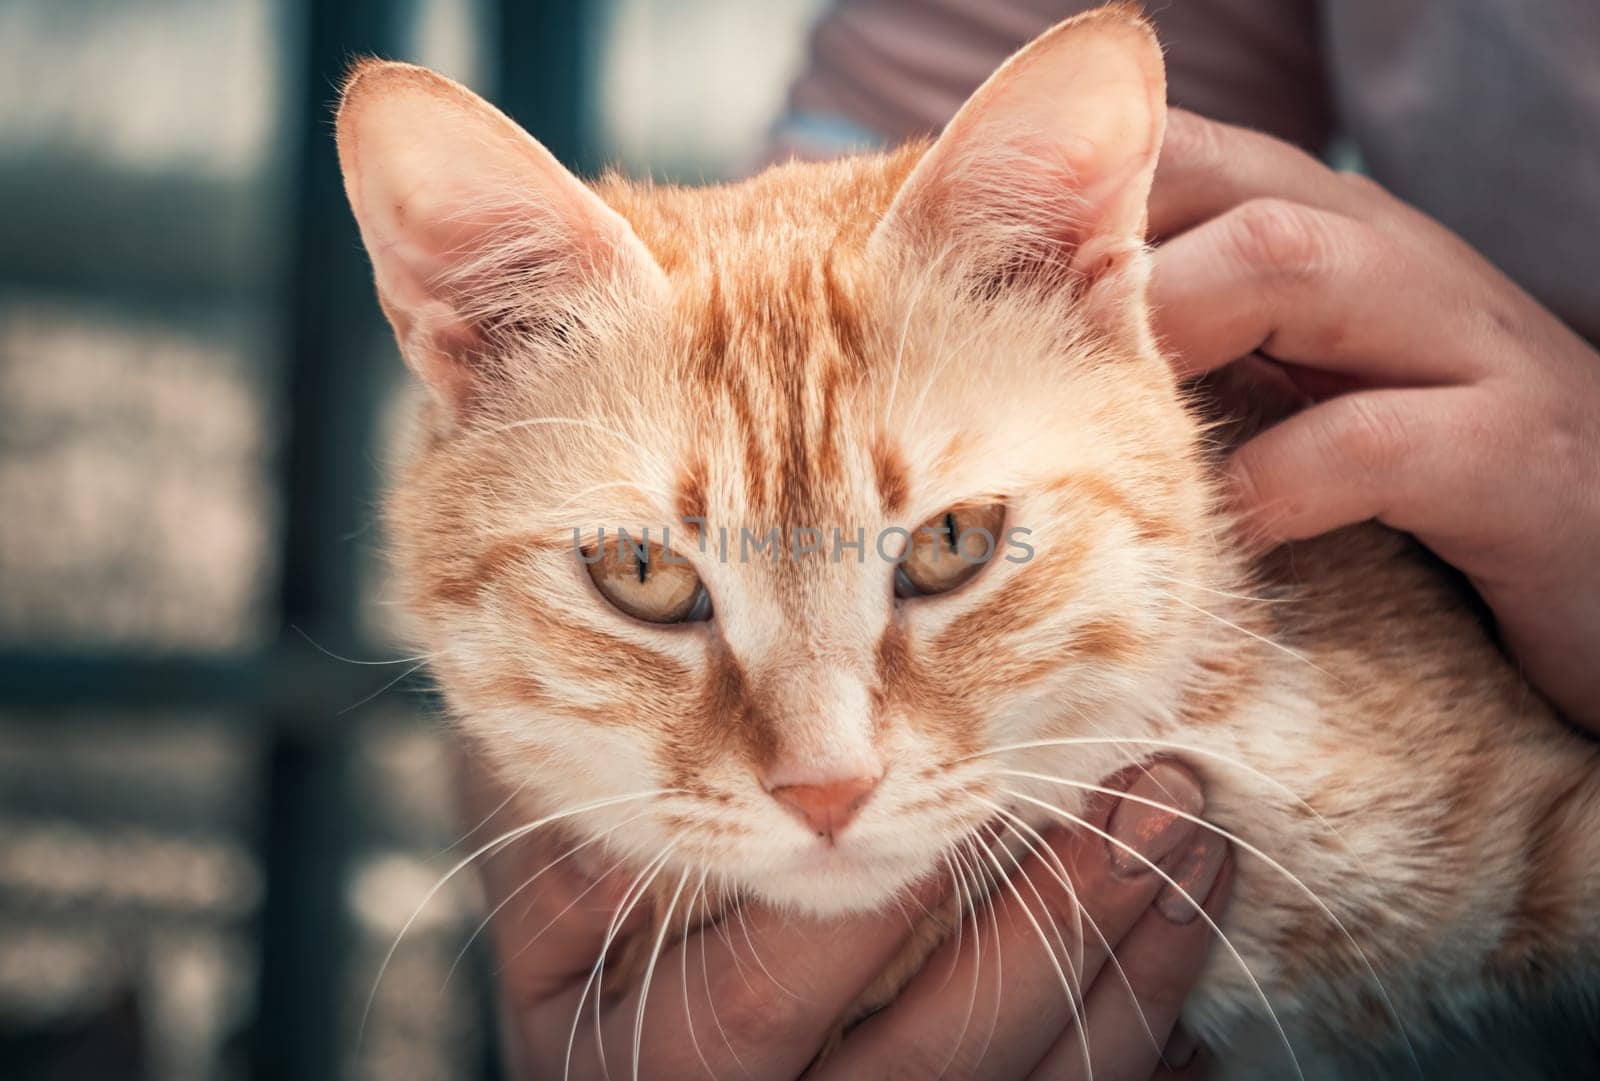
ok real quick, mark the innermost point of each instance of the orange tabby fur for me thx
(861, 344)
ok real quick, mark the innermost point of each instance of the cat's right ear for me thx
(1048, 166)
(477, 234)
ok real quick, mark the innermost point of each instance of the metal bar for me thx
(191, 247)
(304, 996)
(542, 76)
(542, 82)
(293, 682)
(35, 681)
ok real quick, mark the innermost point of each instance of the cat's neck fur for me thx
(1441, 822)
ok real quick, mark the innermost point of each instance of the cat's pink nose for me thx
(828, 807)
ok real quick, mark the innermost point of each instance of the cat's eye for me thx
(949, 549)
(646, 582)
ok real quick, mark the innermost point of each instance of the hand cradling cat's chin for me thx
(950, 344)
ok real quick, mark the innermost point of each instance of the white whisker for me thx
(961, 915)
(557, 918)
(697, 898)
(733, 910)
(486, 819)
(1058, 871)
(650, 969)
(973, 910)
(326, 652)
(1225, 593)
(568, 854)
(927, 276)
(539, 422)
(945, 356)
(1248, 633)
(755, 953)
(657, 493)
(988, 885)
(631, 897)
(408, 673)
(498, 843)
(1170, 745)
(1083, 823)
(1253, 850)
(1071, 989)
(705, 977)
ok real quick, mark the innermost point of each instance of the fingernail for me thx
(1180, 1049)
(1193, 873)
(1153, 831)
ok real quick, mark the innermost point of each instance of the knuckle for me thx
(918, 1060)
(1570, 441)
(1502, 321)
(1244, 483)
(1161, 992)
(1362, 185)
(1370, 438)
(1201, 145)
(1280, 239)
(749, 1010)
(1063, 916)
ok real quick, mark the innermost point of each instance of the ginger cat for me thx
(951, 335)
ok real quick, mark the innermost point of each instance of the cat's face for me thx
(779, 384)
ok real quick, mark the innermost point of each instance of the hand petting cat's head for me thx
(903, 478)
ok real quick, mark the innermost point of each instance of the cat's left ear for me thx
(1048, 165)
(479, 237)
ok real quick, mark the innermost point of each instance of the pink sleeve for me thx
(884, 70)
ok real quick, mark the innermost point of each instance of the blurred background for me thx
(224, 789)
(212, 827)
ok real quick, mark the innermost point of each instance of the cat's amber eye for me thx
(950, 548)
(647, 582)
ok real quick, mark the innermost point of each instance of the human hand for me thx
(1446, 402)
(758, 996)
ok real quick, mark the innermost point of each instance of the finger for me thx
(991, 1001)
(552, 899)
(1318, 289)
(1206, 168)
(1183, 1059)
(1129, 1022)
(553, 912)
(1197, 1069)
(1391, 454)
(758, 995)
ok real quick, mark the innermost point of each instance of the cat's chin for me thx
(832, 882)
